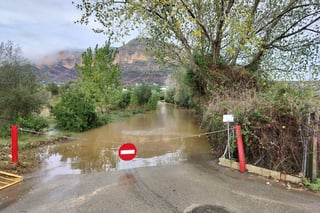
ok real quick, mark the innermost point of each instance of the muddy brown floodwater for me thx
(165, 136)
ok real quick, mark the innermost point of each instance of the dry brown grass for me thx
(271, 124)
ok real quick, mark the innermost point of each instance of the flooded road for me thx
(172, 172)
(166, 136)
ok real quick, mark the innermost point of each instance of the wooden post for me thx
(314, 146)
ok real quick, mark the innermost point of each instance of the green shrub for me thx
(133, 99)
(271, 122)
(4, 130)
(53, 88)
(143, 93)
(314, 186)
(169, 96)
(32, 122)
(75, 111)
(183, 98)
(153, 101)
(125, 100)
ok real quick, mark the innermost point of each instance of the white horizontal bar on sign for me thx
(127, 152)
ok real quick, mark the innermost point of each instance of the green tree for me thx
(143, 93)
(100, 76)
(53, 88)
(274, 36)
(124, 101)
(75, 111)
(153, 101)
(20, 91)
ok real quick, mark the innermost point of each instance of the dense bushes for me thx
(75, 111)
(271, 122)
(153, 101)
(143, 93)
(32, 122)
(22, 95)
(179, 90)
(144, 96)
(125, 100)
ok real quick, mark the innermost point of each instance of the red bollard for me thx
(14, 143)
(242, 161)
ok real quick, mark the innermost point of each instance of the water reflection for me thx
(161, 137)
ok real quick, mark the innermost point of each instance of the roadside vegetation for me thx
(48, 114)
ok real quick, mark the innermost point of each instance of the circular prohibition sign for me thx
(127, 151)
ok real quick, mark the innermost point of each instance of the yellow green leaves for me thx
(197, 33)
(238, 31)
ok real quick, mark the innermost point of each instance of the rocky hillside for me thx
(136, 65)
(59, 67)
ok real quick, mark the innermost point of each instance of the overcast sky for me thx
(41, 27)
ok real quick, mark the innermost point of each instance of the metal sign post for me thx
(228, 119)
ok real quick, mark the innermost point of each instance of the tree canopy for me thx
(282, 35)
(98, 75)
(20, 90)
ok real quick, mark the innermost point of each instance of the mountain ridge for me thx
(137, 65)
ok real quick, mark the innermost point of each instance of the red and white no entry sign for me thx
(127, 151)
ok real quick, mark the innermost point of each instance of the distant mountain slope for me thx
(59, 67)
(135, 63)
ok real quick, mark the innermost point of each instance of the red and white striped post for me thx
(14, 143)
(242, 161)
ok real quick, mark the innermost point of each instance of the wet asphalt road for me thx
(167, 188)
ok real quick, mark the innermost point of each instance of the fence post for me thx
(242, 161)
(314, 147)
(14, 143)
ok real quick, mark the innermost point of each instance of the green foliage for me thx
(67, 86)
(75, 111)
(212, 121)
(133, 99)
(183, 98)
(169, 95)
(231, 32)
(100, 76)
(153, 101)
(271, 122)
(20, 91)
(53, 88)
(4, 130)
(181, 91)
(203, 61)
(196, 81)
(143, 93)
(32, 122)
(161, 95)
(125, 100)
(314, 186)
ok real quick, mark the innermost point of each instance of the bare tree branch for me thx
(242, 41)
(203, 28)
(283, 35)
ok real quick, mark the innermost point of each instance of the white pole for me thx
(229, 141)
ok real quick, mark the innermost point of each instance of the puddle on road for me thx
(162, 137)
